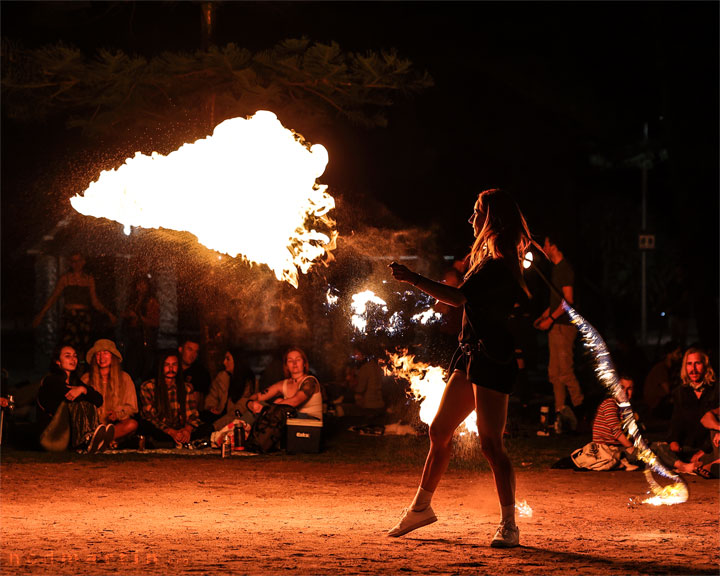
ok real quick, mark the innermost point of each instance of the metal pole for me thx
(643, 253)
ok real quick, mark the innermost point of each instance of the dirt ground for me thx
(107, 514)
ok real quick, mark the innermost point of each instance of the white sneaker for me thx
(507, 536)
(107, 438)
(97, 440)
(411, 520)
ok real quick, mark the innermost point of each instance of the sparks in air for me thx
(360, 304)
(248, 190)
(370, 313)
(428, 316)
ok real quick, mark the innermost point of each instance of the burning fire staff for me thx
(483, 369)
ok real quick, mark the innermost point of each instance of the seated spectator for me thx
(193, 371)
(169, 410)
(116, 386)
(660, 382)
(697, 396)
(229, 390)
(607, 426)
(67, 408)
(369, 401)
(709, 461)
(299, 389)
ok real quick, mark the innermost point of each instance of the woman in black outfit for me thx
(483, 368)
(67, 408)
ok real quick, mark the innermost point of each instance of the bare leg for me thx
(457, 402)
(124, 428)
(492, 414)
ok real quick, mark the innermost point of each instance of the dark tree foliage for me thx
(112, 89)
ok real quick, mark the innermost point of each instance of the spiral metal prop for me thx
(677, 491)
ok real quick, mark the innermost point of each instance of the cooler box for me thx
(303, 435)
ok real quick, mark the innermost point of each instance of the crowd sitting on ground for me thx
(102, 409)
(87, 401)
(691, 445)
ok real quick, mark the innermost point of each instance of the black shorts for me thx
(483, 372)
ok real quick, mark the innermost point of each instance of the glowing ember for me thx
(331, 297)
(249, 189)
(665, 495)
(428, 316)
(523, 509)
(427, 384)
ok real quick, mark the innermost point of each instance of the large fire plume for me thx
(427, 384)
(247, 190)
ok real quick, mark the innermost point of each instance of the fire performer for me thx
(483, 368)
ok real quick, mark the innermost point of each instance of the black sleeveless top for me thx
(491, 294)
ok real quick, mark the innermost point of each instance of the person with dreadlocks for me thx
(483, 368)
(169, 409)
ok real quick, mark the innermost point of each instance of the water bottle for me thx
(238, 437)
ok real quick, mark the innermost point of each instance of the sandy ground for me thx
(265, 515)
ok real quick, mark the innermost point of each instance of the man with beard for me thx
(169, 409)
(691, 402)
(193, 371)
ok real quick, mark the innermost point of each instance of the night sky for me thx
(527, 96)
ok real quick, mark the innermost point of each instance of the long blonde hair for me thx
(504, 234)
(109, 391)
(709, 372)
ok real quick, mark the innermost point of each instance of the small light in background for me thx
(528, 260)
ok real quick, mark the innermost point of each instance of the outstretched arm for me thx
(443, 292)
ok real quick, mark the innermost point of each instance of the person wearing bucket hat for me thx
(116, 386)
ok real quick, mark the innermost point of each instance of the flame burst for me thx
(249, 189)
(359, 306)
(427, 384)
(370, 314)
(675, 493)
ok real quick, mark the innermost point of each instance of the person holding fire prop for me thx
(483, 368)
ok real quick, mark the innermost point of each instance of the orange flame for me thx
(427, 384)
(668, 495)
(523, 509)
(249, 189)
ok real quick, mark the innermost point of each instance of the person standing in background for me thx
(561, 340)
